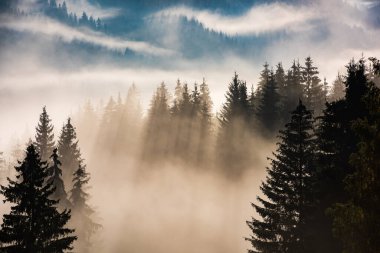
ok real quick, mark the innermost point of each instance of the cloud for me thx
(92, 9)
(49, 27)
(259, 19)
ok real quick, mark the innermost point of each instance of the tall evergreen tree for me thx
(235, 129)
(280, 79)
(314, 90)
(33, 224)
(130, 126)
(283, 226)
(264, 76)
(183, 120)
(268, 109)
(204, 149)
(68, 151)
(55, 179)
(156, 137)
(82, 212)
(178, 92)
(356, 222)
(44, 136)
(294, 89)
(336, 142)
(338, 89)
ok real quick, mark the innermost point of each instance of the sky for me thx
(39, 70)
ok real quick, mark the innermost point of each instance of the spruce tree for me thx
(284, 212)
(68, 151)
(356, 222)
(130, 125)
(313, 87)
(205, 123)
(82, 212)
(33, 224)
(338, 89)
(279, 77)
(109, 124)
(156, 137)
(44, 136)
(268, 108)
(264, 75)
(55, 179)
(294, 90)
(183, 119)
(336, 143)
(235, 129)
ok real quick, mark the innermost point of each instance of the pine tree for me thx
(338, 89)
(268, 108)
(177, 98)
(183, 119)
(280, 79)
(336, 143)
(130, 123)
(33, 224)
(314, 90)
(284, 212)
(264, 76)
(356, 222)
(294, 90)
(205, 134)
(55, 179)
(156, 136)
(235, 129)
(82, 212)
(68, 151)
(44, 136)
(109, 125)
(309, 76)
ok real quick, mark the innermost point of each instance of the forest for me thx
(320, 192)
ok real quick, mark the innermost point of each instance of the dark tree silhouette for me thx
(356, 221)
(235, 129)
(33, 224)
(268, 110)
(55, 179)
(284, 212)
(294, 89)
(264, 76)
(336, 143)
(82, 212)
(44, 136)
(315, 96)
(68, 151)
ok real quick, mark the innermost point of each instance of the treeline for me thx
(56, 11)
(182, 127)
(321, 193)
(43, 213)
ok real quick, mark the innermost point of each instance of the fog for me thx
(165, 206)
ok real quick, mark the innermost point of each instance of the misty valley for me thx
(175, 126)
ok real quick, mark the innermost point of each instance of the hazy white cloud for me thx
(92, 9)
(362, 3)
(259, 19)
(46, 26)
